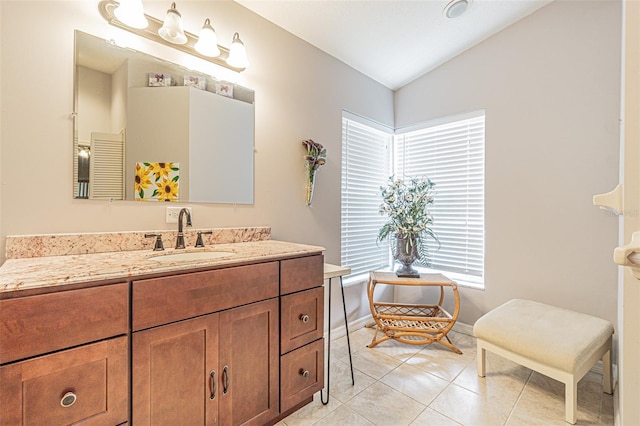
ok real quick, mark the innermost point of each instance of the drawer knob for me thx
(68, 399)
(304, 318)
(304, 373)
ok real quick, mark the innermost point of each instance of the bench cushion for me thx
(552, 336)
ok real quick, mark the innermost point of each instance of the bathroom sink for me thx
(194, 255)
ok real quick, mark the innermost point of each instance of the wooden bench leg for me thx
(607, 379)
(481, 356)
(571, 401)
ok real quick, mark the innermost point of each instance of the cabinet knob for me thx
(304, 373)
(68, 399)
(304, 318)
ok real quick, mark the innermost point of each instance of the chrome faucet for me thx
(180, 239)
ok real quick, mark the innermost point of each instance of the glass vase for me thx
(406, 253)
(310, 185)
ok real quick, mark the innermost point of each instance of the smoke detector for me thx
(456, 8)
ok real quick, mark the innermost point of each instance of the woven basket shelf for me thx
(422, 318)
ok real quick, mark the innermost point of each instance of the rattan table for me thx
(413, 324)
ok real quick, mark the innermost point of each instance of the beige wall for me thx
(300, 93)
(550, 85)
(94, 99)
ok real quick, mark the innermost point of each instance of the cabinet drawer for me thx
(163, 300)
(301, 273)
(302, 318)
(91, 380)
(35, 325)
(301, 374)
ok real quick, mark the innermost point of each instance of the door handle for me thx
(629, 254)
(225, 377)
(213, 384)
(610, 201)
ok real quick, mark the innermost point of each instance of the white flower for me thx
(406, 203)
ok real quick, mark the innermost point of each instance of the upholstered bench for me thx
(556, 342)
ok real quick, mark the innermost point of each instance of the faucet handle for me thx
(158, 245)
(199, 242)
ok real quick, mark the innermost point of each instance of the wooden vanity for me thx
(228, 344)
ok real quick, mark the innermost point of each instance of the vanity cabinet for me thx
(65, 357)
(207, 360)
(223, 346)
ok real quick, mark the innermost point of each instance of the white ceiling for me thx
(392, 41)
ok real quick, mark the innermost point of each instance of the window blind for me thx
(452, 156)
(366, 165)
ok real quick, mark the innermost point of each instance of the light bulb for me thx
(207, 43)
(237, 53)
(172, 30)
(131, 13)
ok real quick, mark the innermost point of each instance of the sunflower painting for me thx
(157, 181)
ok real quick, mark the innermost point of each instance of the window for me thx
(451, 153)
(366, 164)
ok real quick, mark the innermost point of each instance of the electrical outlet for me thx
(174, 212)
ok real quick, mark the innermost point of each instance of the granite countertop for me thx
(39, 272)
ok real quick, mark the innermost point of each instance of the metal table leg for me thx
(346, 325)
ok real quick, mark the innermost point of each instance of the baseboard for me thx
(340, 331)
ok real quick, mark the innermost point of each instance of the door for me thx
(248, 358)
(625, 199)
(106, 166)
(174, 373)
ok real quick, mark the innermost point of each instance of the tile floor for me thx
(398, 384)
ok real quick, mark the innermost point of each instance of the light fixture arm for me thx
(106, 8)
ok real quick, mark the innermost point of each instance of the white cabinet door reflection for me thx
(209, 135)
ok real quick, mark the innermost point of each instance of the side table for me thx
(413, 324)
(333, 271)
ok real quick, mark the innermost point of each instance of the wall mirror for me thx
(149, 130)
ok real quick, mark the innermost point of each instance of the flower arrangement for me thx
(316, 157)
(406, 203)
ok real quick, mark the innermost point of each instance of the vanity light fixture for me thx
(172, 30)
(131, 13)
(237, 53)
(456, 8)
(207, 43)
(200, 48)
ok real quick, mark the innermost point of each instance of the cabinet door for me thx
(87, 384)
(249, 362)
(174, 373)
